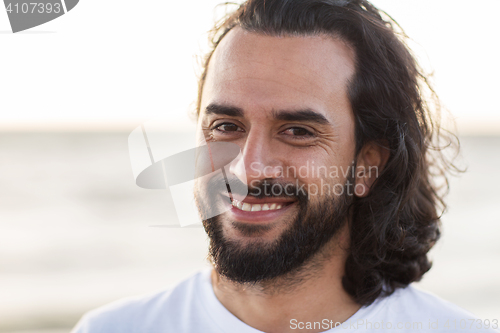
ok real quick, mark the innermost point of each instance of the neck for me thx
(312, 294)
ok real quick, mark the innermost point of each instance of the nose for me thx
(257, 160)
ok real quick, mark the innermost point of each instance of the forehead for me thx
(249, 69)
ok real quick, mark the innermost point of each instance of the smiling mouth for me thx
(248, 207)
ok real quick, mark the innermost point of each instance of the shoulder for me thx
(423, 304)
(148, 312)
(414, 307)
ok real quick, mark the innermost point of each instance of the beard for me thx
(260, 261)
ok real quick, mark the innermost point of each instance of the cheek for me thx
(321, 174)
(313, 167)
(301, 167)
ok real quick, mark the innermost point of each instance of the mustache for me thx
(259, 189)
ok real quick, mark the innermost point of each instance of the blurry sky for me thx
(116, 63)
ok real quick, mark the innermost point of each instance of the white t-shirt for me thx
(192, 307)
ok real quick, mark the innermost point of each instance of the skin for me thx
(263, 76)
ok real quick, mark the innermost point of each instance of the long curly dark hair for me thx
(393, 228)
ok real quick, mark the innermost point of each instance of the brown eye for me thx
(297, 131)
(228, 127)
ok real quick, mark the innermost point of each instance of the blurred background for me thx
(75, 230)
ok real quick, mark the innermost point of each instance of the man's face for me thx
(284, 102)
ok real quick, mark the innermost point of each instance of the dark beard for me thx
(261, 261)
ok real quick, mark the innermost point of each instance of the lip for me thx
(260, 216)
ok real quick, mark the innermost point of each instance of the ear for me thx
(370, 162)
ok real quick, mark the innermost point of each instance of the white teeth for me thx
(246, 207)
(255, 207)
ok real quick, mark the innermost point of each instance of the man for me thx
(326, 105)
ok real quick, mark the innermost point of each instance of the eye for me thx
(298, 132)
(227, 127)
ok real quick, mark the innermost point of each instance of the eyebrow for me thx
(305, 115)
(301, 115)
(223, 110)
